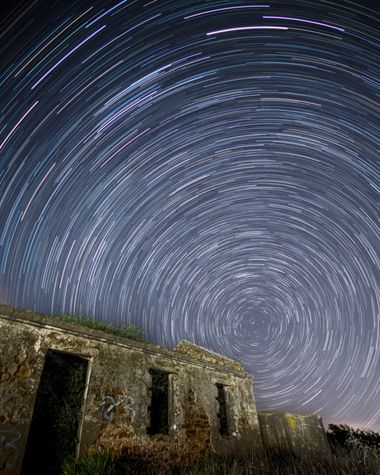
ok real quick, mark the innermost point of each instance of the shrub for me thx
(345, 437)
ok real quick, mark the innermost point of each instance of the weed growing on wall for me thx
(131, 331)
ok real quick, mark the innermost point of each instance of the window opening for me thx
(222, 412)
(159, 407)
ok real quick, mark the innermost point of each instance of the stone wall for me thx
(118, 393)
(296, 433)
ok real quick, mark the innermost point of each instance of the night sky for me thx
(208, 170)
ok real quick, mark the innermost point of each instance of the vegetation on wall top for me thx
(131, 331)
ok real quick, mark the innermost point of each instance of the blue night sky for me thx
(208, 170)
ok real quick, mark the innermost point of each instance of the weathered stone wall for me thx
(300, 434)
(203, 354)
(118, 394)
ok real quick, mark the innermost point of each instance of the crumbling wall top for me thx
(185, 350)
(198, 352)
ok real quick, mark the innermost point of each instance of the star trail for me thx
(208, 170)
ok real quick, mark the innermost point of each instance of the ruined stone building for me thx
(133, 396)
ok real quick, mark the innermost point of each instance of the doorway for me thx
(57, 415)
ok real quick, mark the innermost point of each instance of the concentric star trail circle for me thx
(208, 170)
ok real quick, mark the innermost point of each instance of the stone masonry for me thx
(118, 393)
(210, 401)
(300, 434)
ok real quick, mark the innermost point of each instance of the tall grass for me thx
(353, 452)
(271, 463)
(94, 463)
(342, 462)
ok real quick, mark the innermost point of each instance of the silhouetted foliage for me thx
(345, 437)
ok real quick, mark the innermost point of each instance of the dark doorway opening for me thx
(53, 433)
(159, 407)
(222, 413)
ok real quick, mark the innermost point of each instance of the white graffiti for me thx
(8, 440)
(108, 407)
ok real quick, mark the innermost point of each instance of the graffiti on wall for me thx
(9, 439)
(117, 409)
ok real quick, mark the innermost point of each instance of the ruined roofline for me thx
(269, 412)
(53, 323)
(206, 350)
(204, 354)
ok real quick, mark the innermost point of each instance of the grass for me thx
(342, 462)
(95, 463)
(130, 331)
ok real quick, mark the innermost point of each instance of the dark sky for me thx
(209, 170)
